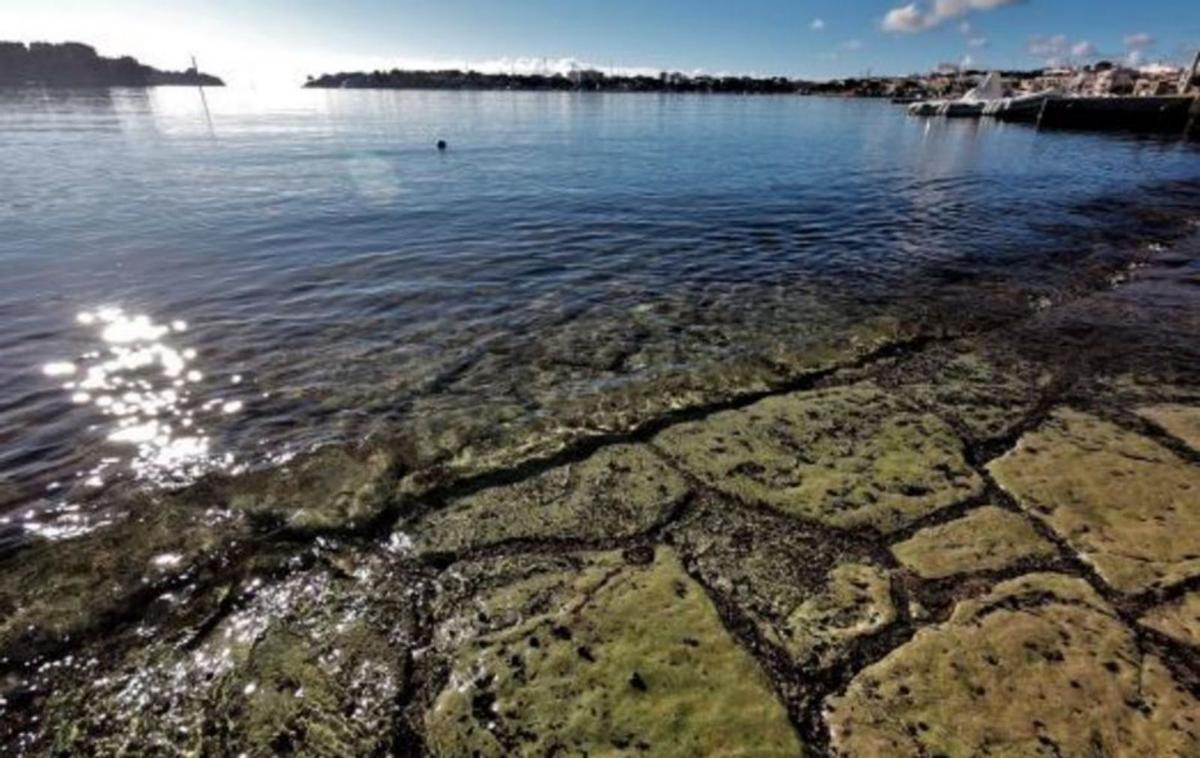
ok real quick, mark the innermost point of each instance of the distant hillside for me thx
(71, 64)
(581, 80)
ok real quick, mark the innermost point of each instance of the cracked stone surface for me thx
(983, 391)
(1179, 619)
(986, 539)
(1180, 421)
(846, 457)
(806, 592)
(614, 657)
(1125, 503)
(619, 491)
(1041, 665)
(311, 664)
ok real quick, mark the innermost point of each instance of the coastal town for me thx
(947, 81)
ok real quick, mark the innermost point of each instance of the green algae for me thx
(980, 388)
(808, 593)
(617, 657)
(1124, 502)
(1041, 665)
(619, 491)
(1179, 619)
(312, 664)
(848, 457)
(986, 539)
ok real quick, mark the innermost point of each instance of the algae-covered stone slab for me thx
(986, 539)
(812, 594)
(616, 492)
(312, 665)
(613, 658)
(336, 487)
(1128, 505)
(981, 387)
(848, 457)
(1039, 666)
(1181, 421)
(1179, 620)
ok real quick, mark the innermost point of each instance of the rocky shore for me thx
(949, 543)
(72, 64)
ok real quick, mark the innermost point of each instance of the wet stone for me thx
(575, 403)
(1128, 505)
(1179, 620)
(986, 539)
(1180, 421)
(334, 488)
(980, 388)
(1039, 666)
(618, 491)
(612, 657)
(52, 592)
(809, 593)
(313, 664)
(848, 457)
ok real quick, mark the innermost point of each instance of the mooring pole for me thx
(1189, 76)
(203, 98)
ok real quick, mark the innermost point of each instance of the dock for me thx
(1153, 115)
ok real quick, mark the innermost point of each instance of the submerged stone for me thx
(987, 539)
(848, 457)
(1180, 421)
(1179, 620)
(1039, 666)
(313, 665)
(807, 592)
(336, 487)
(53, 591)
(618, 491)
(1128, 505)
(617, 656)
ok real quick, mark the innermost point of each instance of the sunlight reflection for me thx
(144, 382)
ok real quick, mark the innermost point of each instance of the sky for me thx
(279, 42)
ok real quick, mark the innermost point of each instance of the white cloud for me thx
(912, 18)
(1083, 49)
(908, 18)
(817, 25)
(852, 44)
(965, 28)
(1059, 49)
(967, 62)
(1139, 41)
(1136, 46)
(977, 42)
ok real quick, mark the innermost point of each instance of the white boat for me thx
(970, 105)
(1020, 108)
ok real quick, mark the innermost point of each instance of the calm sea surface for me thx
(184, 289)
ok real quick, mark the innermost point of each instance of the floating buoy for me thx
(441, 144)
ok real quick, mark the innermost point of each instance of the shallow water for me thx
(195, 285)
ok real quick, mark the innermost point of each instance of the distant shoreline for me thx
(73, 64)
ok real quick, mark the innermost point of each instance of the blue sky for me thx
(255, 41)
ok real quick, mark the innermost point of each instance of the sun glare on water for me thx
(144, 380)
